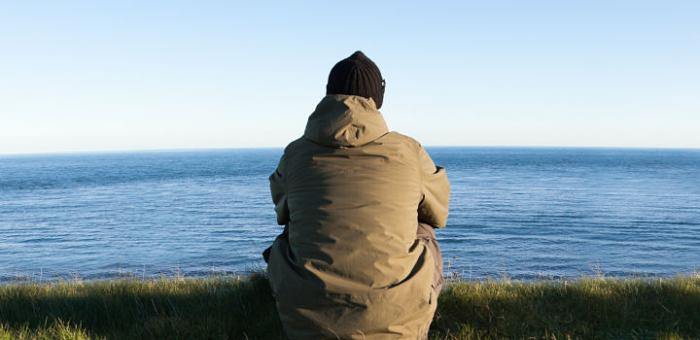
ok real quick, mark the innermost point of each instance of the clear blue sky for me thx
(123, 75)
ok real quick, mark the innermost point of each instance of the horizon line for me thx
(195, 149)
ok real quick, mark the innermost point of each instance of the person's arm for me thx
(278, 189)
(434, 206)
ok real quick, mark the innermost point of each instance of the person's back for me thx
(352, 194)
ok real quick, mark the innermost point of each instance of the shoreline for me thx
(242, 307)
(34, 279)
(44, 278)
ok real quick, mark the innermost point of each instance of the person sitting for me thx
(358, 258)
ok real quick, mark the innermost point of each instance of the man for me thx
(358, 257)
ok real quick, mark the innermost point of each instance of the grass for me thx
(230, 308)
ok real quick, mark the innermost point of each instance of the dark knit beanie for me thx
(357, 75)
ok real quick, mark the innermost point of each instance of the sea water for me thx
(522, 213)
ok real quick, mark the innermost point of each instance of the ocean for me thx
(520, 213)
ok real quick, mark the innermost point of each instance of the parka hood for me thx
(345, 121)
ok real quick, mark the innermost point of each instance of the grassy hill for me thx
(232, 308)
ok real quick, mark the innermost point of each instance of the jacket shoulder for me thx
(403, 139)
(294, 145)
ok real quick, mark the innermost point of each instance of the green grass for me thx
(230, 308)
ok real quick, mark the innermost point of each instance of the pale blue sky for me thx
(124, 75)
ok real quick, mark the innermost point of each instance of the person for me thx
(358, 258)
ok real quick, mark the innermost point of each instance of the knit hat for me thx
(357, 75)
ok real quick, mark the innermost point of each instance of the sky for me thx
(139, 75)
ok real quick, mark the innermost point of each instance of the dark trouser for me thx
(425, 232)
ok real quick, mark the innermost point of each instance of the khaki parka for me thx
(351, 194)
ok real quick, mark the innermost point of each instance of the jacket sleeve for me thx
(278, 189)
(433, 208)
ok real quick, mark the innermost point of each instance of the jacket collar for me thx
(345, 121)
